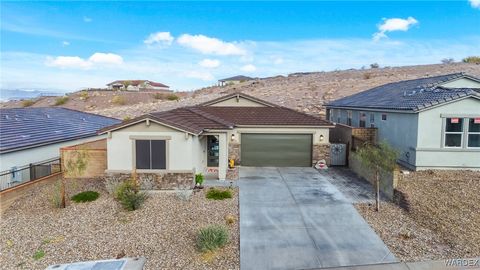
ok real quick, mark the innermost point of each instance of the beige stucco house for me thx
(170, 147)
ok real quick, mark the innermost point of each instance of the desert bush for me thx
(55, 195)
(83, 95)
(199, 179)
(367, 75)
(211, 238)
(230, 219)
(447, 61)
(129, 195)
(217, 194)
(86, 196)
(119, 100)
(61, 100)
(27, 102)
(173, 97)
(112, 184)
(374, 65)
(472, 60)
(38, 254)
(158, 96)
(126, 118)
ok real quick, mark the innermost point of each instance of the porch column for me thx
(222, 156)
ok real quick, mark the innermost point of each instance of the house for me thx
(138, 85)
(173, 145)
(30, 139)
(433, 122)
(234, 80)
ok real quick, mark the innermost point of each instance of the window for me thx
(474, 132)
(372, 118)
(384, 117)
(362, 119)
(453, 132)
(150, 154)
(349, 118)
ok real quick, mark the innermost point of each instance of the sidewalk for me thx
(426, 265)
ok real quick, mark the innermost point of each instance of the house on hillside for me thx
(31, 138)
(234, 80)
(138, 85)
(171, 146)
(434, 122)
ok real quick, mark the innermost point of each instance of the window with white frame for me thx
(453, 132)
(362, 119)
(473, 132)
(349, 118)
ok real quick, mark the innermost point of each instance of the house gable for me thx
(151, 127)
(238, 100)
(464, 82)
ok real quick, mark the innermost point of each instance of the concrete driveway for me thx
(293, 218)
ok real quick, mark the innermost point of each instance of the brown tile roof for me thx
(217, 100)
(138, 82)
(197, 119)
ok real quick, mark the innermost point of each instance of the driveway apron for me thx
(293, 218)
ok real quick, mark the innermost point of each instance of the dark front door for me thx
(276, 150)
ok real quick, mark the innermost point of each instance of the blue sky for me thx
(69, 45)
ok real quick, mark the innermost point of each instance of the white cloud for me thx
(160, 38)
(209, 63)
(248, 68)
(87, 19)
(475, 3)
(208, 45)
(202, 75)
(96, 59)
(65, 43)
(393, 24)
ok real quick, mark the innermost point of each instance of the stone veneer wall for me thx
(234, 152)
(157, 181)
(319, 152)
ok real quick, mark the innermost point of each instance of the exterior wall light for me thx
(233, 137)
(321, 137)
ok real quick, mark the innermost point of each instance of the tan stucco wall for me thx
(241, 102)
(182, 148)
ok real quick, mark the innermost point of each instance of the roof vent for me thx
(48, 115)
(7, 117)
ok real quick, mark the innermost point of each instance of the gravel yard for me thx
(163, 230)
(439, 220)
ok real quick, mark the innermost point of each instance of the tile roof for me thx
(197, 119)
(138, 82)
(411, 95)
(22, 128)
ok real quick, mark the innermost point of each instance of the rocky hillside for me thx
(302, 91)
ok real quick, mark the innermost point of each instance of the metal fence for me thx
(30, 172)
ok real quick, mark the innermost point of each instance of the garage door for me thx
(276, 150)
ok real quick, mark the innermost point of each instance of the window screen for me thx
(150, 154)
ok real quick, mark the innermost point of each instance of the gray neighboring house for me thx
(234, 80)
(434, 122)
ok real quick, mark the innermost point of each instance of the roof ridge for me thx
(197, 110)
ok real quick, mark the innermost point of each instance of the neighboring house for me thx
(34, 135)
(234, 80)
(434, 122)
(202, 139)
(138, 85)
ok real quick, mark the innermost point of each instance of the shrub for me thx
(86, 196)
(55, 195)
(472, 60)
(84, 95)
(173, 97)
(217, 194)
(211, 238)
(448, 61)
(112, 185)
(199, 179)
(27, 102)
(119, 100)
(230, 219)
(158, 96)
(367, 75)
(374, 65)
(126, 118)
(38, 254)
(129, 196)
(61, 100)
(183, 193)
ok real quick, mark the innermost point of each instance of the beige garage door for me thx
(276, 150)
